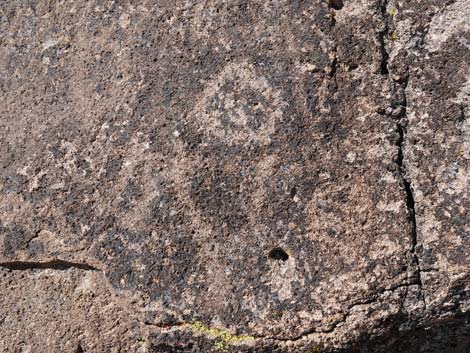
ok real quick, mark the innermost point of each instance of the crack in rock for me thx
(53, 265)
(381, 38)
(345, 315)
(410, 202)
(398, 112)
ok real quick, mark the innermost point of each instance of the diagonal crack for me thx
(53, 265)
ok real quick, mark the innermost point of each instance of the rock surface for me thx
(238, 176)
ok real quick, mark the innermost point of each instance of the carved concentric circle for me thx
(239, 106)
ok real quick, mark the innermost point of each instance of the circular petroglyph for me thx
(239, 106)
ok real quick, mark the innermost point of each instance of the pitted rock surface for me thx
(238, 176)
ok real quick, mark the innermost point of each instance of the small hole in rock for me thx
(278, 254)
(335, 4)
(293, 192)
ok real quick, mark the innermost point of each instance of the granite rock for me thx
(238, 176)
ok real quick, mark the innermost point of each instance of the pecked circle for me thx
(239, 106)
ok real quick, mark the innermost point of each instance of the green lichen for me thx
(225, 337)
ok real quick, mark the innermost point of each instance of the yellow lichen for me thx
(392, 9)
(225, 336)
(394, 36)
(220, 345)
(344, 67)
(317, 349)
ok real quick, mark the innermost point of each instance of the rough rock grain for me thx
(239, 176)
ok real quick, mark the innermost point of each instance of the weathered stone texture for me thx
(241, 176)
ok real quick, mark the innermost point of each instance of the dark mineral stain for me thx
(165, 348)
(14, 183)
(217, 194)
(132, 192)
(169, 261)
(113, 167)
(17, 238)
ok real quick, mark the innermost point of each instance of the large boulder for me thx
(239, 176)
